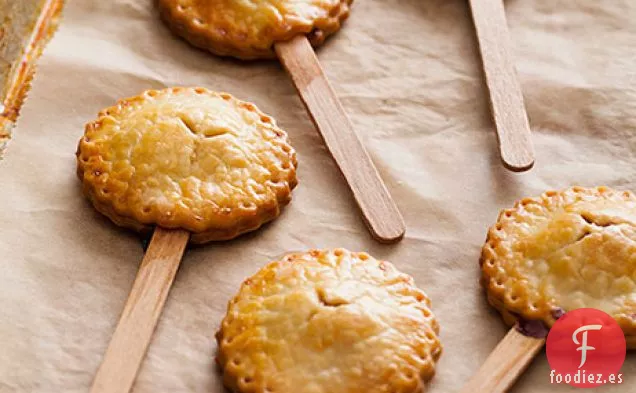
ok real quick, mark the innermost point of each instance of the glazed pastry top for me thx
(329, 322)
(186, 158)
(565, 250)
(248, 29)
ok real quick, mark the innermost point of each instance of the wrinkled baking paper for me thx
(408, 73)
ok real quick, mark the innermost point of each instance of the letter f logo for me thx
(584, 347)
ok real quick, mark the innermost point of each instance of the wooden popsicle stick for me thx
(378, 208)
(506, 99)
(134, 331)
(505, 364)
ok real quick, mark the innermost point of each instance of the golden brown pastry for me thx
(563, 251)
(187, 158)
(248, 29)
(329, 321)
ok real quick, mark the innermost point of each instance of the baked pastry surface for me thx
(329, 321)
(187, 158)
(562, 251)
(248, 29)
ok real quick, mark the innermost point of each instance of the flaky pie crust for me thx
(187, 158)
(248, 29)
(328, 321)
(562, 251)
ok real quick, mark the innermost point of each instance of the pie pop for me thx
(328, 321)
(551, 255)
(194, 165)
(287, 29)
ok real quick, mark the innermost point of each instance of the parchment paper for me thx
(408, 73)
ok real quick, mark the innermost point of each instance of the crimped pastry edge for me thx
(129, 218)
(231, 376)
(496, 294)
(203, 38)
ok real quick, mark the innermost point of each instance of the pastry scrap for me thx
(563, 251)
(248, 29)
(329, 321)
(187, 158)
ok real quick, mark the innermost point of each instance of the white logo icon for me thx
(584, 347)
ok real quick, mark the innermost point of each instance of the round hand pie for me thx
(248, 29)
(328, 322)
(187, 158)
(563, 251)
